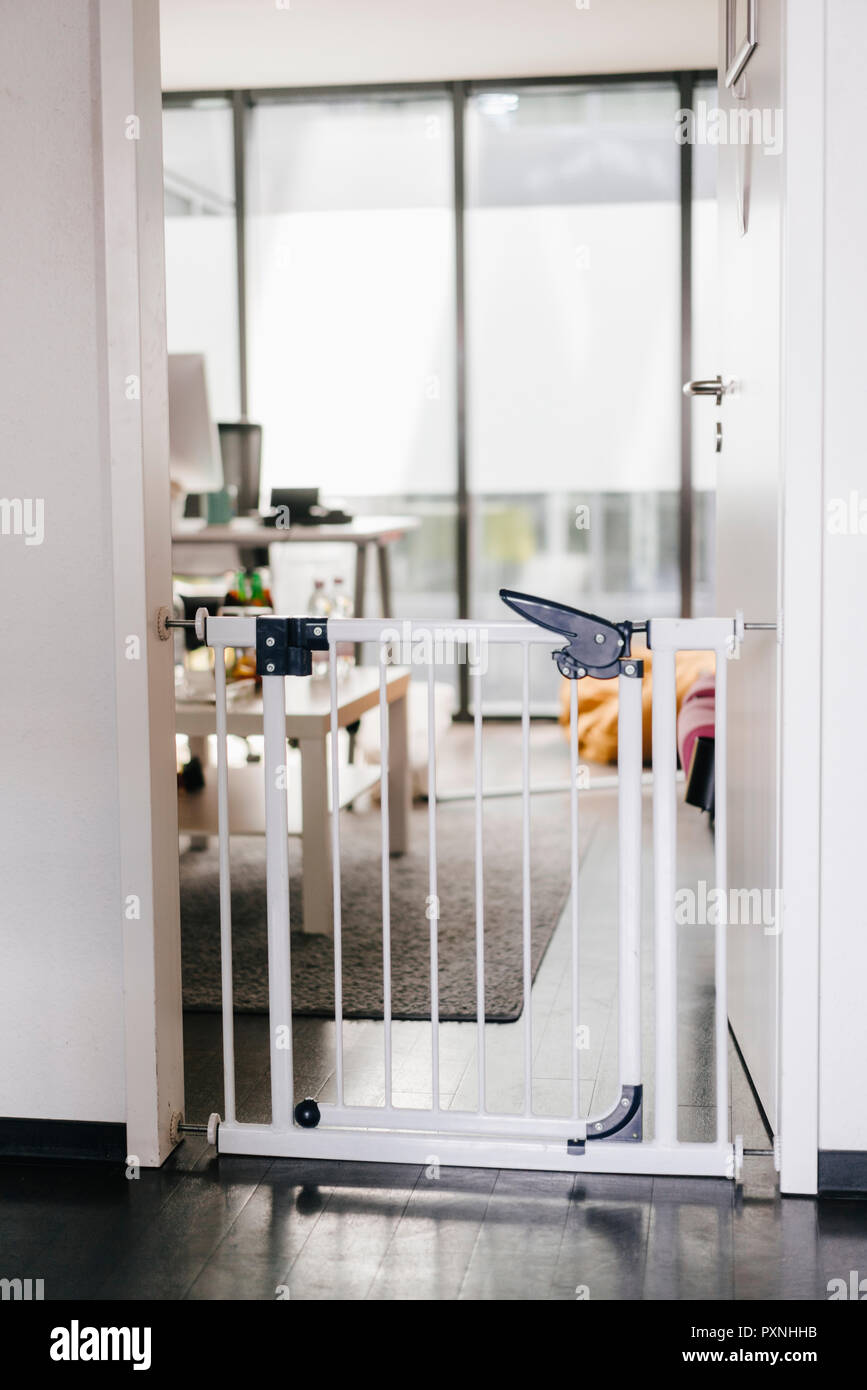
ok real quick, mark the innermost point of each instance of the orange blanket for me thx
(597, 704)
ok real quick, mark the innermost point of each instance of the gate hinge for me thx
(284, 645)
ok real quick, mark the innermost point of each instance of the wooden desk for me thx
(308, 719)
(364, 531)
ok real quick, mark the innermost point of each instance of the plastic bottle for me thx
(343, 608)
(250, 590)
(320, 605)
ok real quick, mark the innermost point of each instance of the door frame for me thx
(126, 49)
(799, 682)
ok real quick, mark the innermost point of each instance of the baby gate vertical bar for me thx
(721, 872)
(277, 878)
(227, 1001)
(664, 872)
(629, 765)
(527, 906)
(433, 888)
(386, 869)
(575, 964)
(335, 877)
(478, 749)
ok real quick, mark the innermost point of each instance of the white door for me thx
(748, 499)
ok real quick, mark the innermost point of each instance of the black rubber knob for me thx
(307, 1114)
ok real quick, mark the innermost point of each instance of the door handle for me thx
(714, 386)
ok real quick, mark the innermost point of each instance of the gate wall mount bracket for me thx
(285, 646)
(165, 620)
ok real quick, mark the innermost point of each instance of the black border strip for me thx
(92, 1139)
(843, 1172)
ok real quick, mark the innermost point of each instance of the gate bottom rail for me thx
(425, 1148)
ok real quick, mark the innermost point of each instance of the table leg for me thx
(360, 582)
(316, 896)
(384, 579)
(399, 792)
(199, 749)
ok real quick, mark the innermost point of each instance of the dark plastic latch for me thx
(595, 647)
(284, 645)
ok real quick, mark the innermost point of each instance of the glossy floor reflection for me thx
(208, 1228)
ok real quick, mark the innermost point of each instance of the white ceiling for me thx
(277, 43)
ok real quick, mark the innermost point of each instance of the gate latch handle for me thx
(595, 646)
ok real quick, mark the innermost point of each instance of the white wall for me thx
(89, 993)
(843, 968)
(61, 1020)
(801, 581)
(284, 43)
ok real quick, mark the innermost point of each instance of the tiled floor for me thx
(204, 1227)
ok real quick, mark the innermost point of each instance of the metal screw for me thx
(270, 666)
(269, 641)
(630, 670)
(597, 1126)
(625, 1101)
(317, 632)
(600, 638)
(581, 671)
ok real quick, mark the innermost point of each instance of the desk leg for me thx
(360, 584)
(316, 894)
(199, 749)
(384, 580)
(399, 794)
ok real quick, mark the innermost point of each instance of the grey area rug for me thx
(313, 956)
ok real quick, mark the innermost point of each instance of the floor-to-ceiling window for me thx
(573, 293)
(201, 265)
(573, 320)
(485, 332)
(351, 311)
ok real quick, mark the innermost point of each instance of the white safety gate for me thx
(613, 1141)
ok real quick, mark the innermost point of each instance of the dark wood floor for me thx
(240, 1228)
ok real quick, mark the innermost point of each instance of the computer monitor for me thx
(195, 462)
(241, 447)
